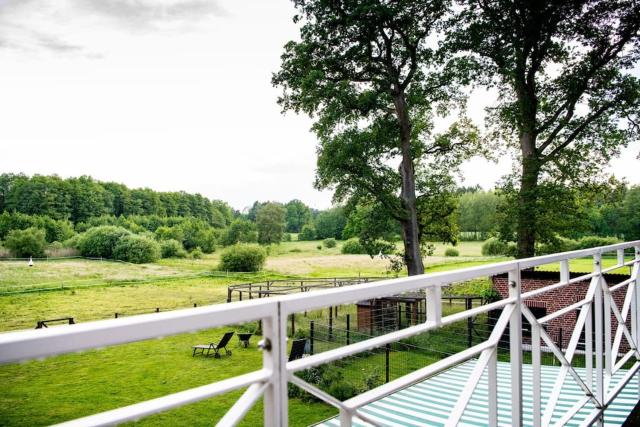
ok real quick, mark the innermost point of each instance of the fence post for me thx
(293, 324)
(228, 294)
(157, 309)
(116, 315)
(195, 305)
(399, 317)
(434, 304)
(348, 329)
(311, 334)
(386, 362)
(330, 323)
(515, 347)
(468, 304)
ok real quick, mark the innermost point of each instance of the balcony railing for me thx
(270, 382)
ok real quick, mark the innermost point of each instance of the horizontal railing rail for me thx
(270, 382)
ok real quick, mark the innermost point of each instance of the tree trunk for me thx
(528, 197)
(410, 227)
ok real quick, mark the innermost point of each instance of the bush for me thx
(307, 233)
(329, 243)
(451, 252)
(319, 247)
(243, 257)
(352, 246)
(286, 237)
(101, 241)
(494, 247)
(593, 241)
(30, 242)
(137, 249)
(560, 244)
(172, 249)
(196, 253)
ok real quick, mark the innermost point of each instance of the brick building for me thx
(560, 328)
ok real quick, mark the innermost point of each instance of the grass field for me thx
(64, 387)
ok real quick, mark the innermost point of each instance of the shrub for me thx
(352, 246)
(593, 241)
(382, 247)
(169, 233)
(559, 244)
(307, 233)
(242, 257)
(240, 231)
(172, 249)
(295, 250)
(286, 237)
(493, 247)
(137, 249)
(451, 252)
(196, 253)
(101, 241)
(30, 242)
(329, 243)
(319, 247)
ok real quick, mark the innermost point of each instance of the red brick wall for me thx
(560, 298)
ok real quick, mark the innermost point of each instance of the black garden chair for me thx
(222, 344)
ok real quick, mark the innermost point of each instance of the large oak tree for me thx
(567, 99)
(369, 74)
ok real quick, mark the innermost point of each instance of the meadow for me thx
(59, 388)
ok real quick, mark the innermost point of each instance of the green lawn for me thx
(70, 386)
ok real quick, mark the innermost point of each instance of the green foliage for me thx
(55, 230)
(270, 221)
(451, 252)
(243, 258)
(490, 294)
(494, 247)
(307, 233)
(330, 223)
(196, 253)
(298, 214)
(81, 199)
(352, 246)
(197, 233)
(567, 91)
(329, 243)
(172, 249)
(169, 233)
(286, 237)
(372, 93)
(477, 213)
(29, 242)
(594, 241)
(559, 244)
(136, 249)
(240, 231)
(101, 241)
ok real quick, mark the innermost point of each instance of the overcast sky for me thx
(171, 95)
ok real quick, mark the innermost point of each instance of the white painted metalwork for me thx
(270, 381)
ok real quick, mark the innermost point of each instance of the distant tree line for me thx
(34, 216)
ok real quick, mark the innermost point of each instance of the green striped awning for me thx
(430, 402)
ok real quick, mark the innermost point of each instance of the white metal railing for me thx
(270, 382)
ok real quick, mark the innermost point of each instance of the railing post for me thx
(515, 346)
(434, 304)
(274, 339)
(492, 374)
(345, 418)
(600, 392)
(635, 304)
(536, 374)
